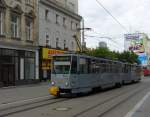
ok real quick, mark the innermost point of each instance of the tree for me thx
(126, 56)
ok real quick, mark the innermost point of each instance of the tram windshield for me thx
(64, 64)
(61, 69)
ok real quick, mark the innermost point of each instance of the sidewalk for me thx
(18, 93)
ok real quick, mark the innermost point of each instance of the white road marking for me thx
(138, 105)
(23, 101)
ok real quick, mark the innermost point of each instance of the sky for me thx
(134, 15)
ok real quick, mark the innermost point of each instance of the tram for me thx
(146, 70)
(74, 73)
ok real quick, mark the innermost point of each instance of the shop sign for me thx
(46, 64)
(47, 53)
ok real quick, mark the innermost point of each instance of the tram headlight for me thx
(52, 83)
(67, 84)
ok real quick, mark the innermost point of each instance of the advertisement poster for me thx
(134, 42)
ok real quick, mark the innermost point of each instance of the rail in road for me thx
(5, 110)
(102, 107)
(111, 103)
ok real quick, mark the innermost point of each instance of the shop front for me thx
(45, 62)
(17, 67)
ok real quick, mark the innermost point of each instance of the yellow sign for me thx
(47, 53)
(46, 64)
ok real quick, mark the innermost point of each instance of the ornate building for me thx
(69, 4)
(57, 27)
(18, 42)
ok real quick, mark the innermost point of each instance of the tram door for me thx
(8, 74)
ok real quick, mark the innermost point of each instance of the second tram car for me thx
(74, 73)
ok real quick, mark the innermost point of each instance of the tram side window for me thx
(122, 68)
(125, 69)
(89, 66)
(129, 68)
(83, 66)
(74, 65)
(97, 67)
(117, 67)
(93, 70)
(110, 67)
(103, 66)
(113, 67)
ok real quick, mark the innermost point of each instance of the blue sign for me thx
(143, 58)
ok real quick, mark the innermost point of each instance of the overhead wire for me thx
(122, 26)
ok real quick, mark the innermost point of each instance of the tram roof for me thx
(92, 57)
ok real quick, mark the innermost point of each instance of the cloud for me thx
(134, 15)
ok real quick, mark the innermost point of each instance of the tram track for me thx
(29, 106)
(46, 102)
(7, 106)
(121, 102)
(112, 99)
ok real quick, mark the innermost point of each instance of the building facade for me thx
(18, 42)
(57, 27)
(69, 4)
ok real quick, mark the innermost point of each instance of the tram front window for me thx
(65, 65)
(61, 69)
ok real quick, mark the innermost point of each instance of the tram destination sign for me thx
(61, 58)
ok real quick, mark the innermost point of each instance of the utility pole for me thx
(80, 40)
(83, 37)
(83, 43)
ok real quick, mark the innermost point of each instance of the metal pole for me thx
(83, 41)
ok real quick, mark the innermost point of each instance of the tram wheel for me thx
(118, 85)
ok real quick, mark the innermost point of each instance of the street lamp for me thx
(81, 44)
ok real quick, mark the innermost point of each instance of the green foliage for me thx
(126, 56)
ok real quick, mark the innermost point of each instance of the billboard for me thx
(134, 42)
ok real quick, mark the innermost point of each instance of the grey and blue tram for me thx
(74, 73)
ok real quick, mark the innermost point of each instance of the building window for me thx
(30, 66)
(57, 42)
(72, 6)
(57, 19)
(64, 44)
(76, 26)
(15, 26)
(19, 1)
(64, 21)
(1, 23)
(71, 25)
(29, 29)
(47, 40)
(72, 45)
(28, 2)
(46, 14)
